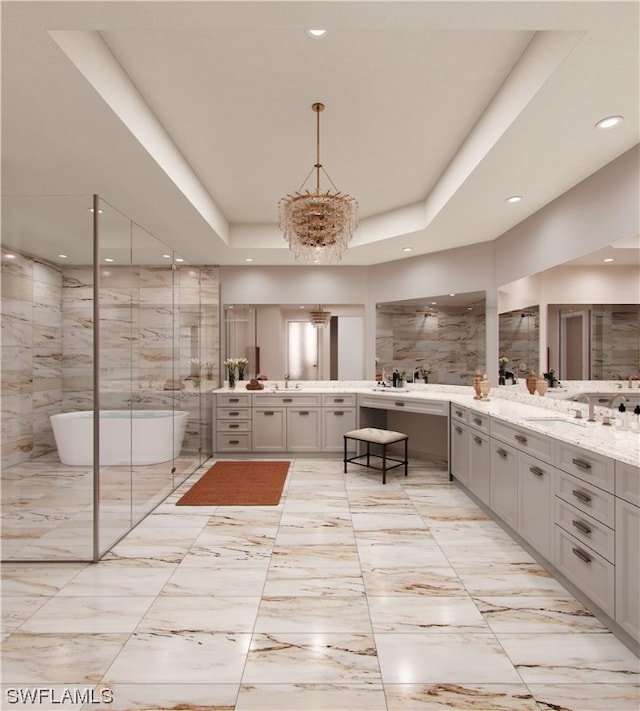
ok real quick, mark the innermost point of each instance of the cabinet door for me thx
(336, 423)
(460, 452)
(536, 504)
(479, 465)
(504, 482)
(303, 429)
(628, 567)
(269, 429)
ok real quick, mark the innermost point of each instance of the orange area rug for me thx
(238, 483)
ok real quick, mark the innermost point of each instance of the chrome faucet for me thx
(590, 401)
(286, 381)
(614, 398)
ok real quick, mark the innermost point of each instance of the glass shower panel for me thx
(156, 424)
(46, 371)
(116, 334)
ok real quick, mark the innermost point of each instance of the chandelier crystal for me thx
(319, 317)
(318, 225)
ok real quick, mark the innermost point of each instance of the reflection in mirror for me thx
(279, 340)
(595, 341)
(440, 338)
(519, 332)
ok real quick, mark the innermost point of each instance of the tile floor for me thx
(348, 595)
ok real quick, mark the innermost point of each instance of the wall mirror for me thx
(441, 338)
(298, 341)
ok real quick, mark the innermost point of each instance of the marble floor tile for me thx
(171, 697)
(459, 697)
(571, 658)
(15, 610)
(428, 657)
(312, 658)
(88, 614)
(180, 657)
(507, 579)
(432, 580)
(313, 614)
(119, 578)
(412, 613)
(68, 658)
(311, 697)
(335, 555)
(242, 580)
(587, 697)
(307, 580)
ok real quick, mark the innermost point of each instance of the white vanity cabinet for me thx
(286, 422)
(459, 438)
(232, 421)
(627, 545)
(479, 458)
(269, 430)
(338, 417)
(504, 482)
(535, 503)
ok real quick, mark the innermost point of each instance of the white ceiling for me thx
(195, 118)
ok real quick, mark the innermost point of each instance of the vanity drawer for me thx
(628, 483)
(461, 414)
(594, 468)
(234, 413)
(586, 529)
(336, 400)
(479, 421)
(234, 399)
(589, 499)
(399, 402)
(534, 443)
(229, 442)
(286, 400)
(234, 426)
(590, 572)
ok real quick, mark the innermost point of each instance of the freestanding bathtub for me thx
(127, 437)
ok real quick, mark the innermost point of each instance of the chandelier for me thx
(319, 317)
(318, 225)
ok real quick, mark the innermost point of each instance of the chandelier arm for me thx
(326, 175)
(304, 182)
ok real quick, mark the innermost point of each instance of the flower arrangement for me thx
(424, 372)
(502, 364)
(242, 364)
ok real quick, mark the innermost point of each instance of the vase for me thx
(532, 382)
(241, 375)
(501, 379)
(485, 388)
(476, 385)
(541, 386)
(232, 380)
(426, 378)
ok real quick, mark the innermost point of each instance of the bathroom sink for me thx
(554, 422)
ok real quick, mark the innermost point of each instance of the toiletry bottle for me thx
(623, 423)
(636, 412)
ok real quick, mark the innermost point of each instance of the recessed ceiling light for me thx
(609, 122)
(108, 260)
(166, 256)
(434, 303)
(62, 256)
(608, 259)
(514, 198)
(248, 259)
(179, 260)
(99, 210)
(407, 249)
(9, 256)
(451, 294)
(317, 34)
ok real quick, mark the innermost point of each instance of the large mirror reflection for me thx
(298, 342)
(435, 339)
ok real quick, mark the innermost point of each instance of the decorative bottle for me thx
(476, 385)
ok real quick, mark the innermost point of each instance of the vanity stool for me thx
(383, 438)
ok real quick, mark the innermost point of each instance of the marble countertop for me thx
(552, 415)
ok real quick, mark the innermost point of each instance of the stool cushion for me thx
(376, 435)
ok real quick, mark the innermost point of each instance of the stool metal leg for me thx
(406, 458)
(384, 463)
(345, 455)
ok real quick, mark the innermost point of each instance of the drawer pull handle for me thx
(477, 440)
(503, 453)
(585, 498)
(603, 399)
(233, 426)
(459, 413)
(477, 420)
(338, 413)
(338, 399)
(270, 413)
(581, 464)
(459, 430)
(521, 438)
(233, 414)
(585, 557)
(399, 404)
(536, 470)
(303, 412)
(234, 441)
(582, 527)
(287, 399)
(234, 399)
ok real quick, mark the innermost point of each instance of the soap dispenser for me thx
(636, 412)
(623, 422)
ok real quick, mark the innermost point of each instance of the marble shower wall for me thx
(615, 339)
(449, 342)
(31, 355)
